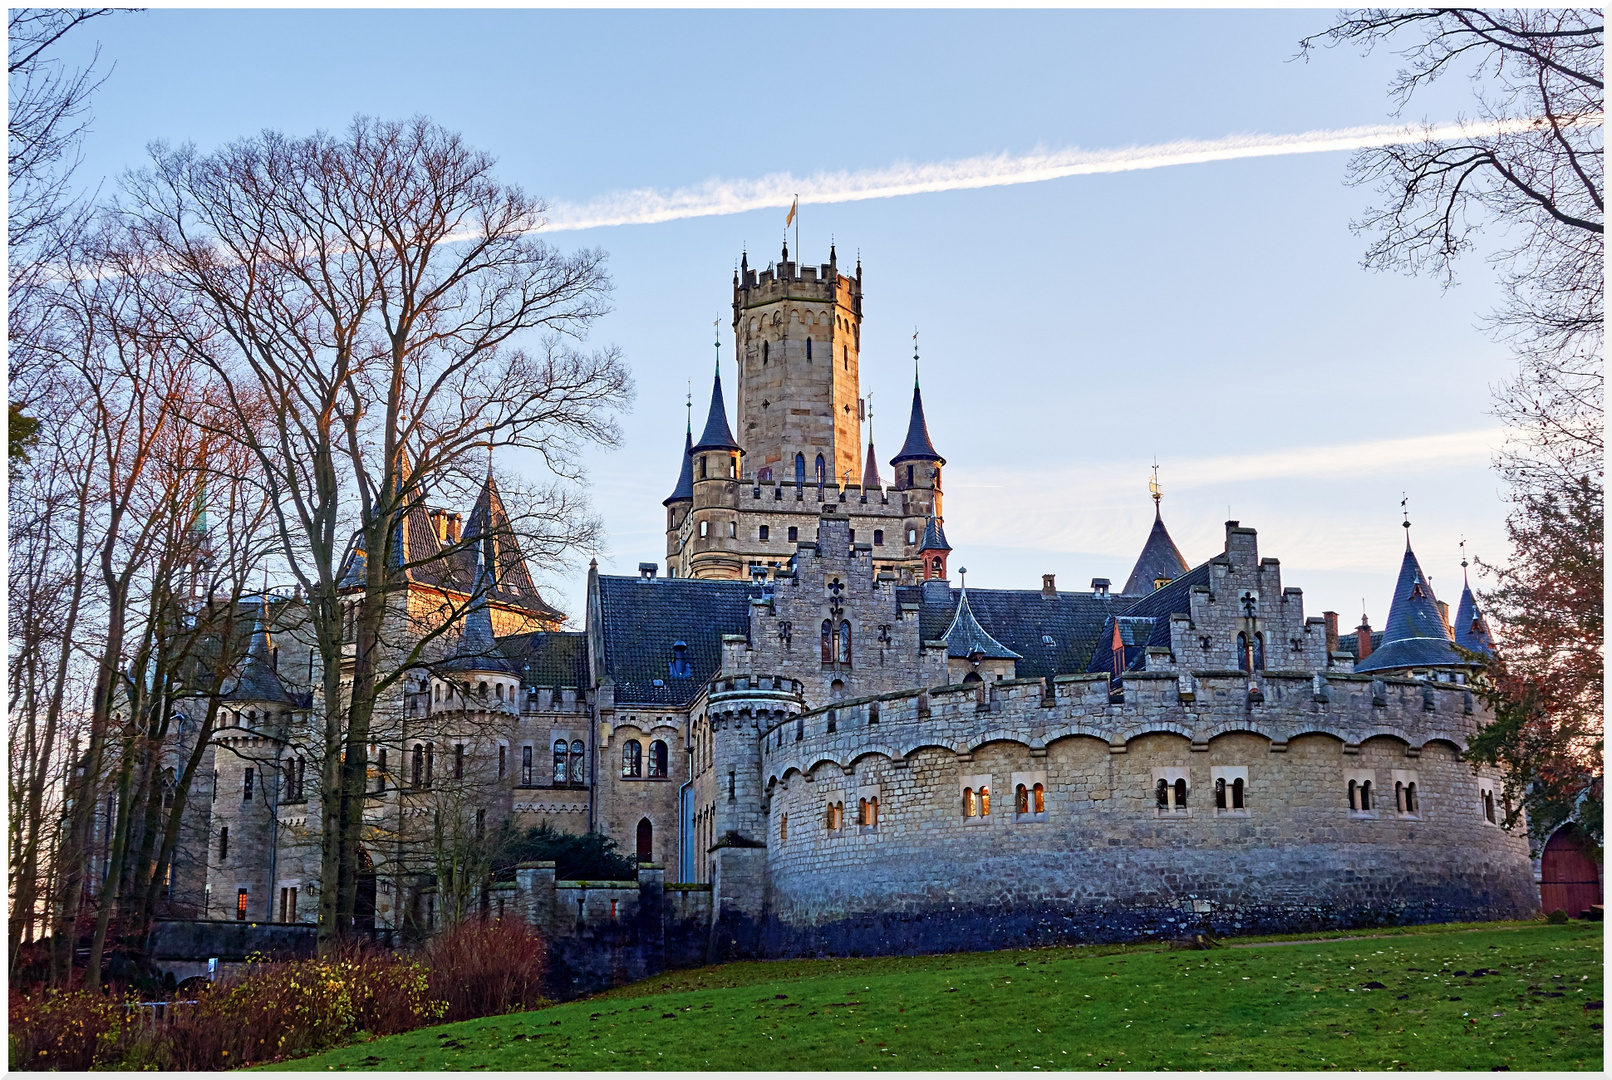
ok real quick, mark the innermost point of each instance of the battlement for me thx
(789, 280)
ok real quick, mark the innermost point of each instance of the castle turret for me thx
(1160, 562)
(478, 651)
(714, 514)
(798, 331)
(971, 651)
(1416, 636)
(1471, 628)
(933, 550)
(258, 683)
(681, 500)
(918, 464)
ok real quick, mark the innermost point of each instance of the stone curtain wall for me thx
(1104, 862)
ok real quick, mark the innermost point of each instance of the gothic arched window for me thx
(800, 469)
(1039, 799)
(418, 770)
(828, 641)
(632, 758)
(561, 761)
(1244, 659)
(657, 759)
(845, 643)
(822, 471)
(1259, 652)
(578, 773)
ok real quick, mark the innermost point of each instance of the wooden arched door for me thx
(646, 841)
(1569, 878)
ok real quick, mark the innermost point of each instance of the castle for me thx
(826, 742)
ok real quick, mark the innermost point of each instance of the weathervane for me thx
(1153, 484)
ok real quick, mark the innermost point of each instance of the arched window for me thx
(985, 801)
(1488, 807)
(1180, 794)
(800, 471)
(430, 755)
(845, 643)
(481, 690)
(764, 352)
(783, 827)
(1354, 795)
(970, 804)
(862, 812)
(937, 567)
(1399, 796)
(808, 348)
(1365, 795)
(1410, 798)
(657, 759)
(1162, 791)
(1038, 798)
(579, 774)
(439, 691)
(646, 841)
(873, 810)
(632, 758)
(702, 466)
(822, 471)
(417, 773)
(972, 677)
(1243, 658)
(498, 691)
(836, 690)
(1259, 652)
(1021, 800)
(1220, 793)
(828, 641)
(1237, 794)
(562, 772)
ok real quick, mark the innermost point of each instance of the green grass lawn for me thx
(1514, 995)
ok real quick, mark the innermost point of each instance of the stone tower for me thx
(797, 331)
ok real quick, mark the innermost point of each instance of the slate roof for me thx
(428, 561)
(1415, 635)
(257, 680)
(1160, 558)
(870, 472)
(1158, 606)
(1471, 628)
(965, 637)
(477, 649)
(641, 619)
(1350, 642)
(684, 491)
(1021, 620)
(717, 435)
(549, 658)
(934, 536)
(917, 447)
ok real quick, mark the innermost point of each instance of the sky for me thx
(1212, 316)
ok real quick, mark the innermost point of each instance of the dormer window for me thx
(678, 667)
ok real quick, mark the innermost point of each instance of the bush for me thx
(67, 1029)
(484, 967)
(576, 857)
(1557, 917)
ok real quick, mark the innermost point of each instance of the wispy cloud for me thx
(716, 197)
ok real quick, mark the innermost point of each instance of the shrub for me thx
(1557, 917)
(67, 1029)
(588, 856)
(483, 967)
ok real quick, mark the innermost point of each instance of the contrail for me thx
(716, 197)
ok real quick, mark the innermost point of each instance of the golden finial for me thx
(1153, 484)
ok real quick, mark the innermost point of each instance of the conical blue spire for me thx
(1415, 636)
(917, 447)
(717, 435)
(478, 650)
(934, 536)
(965, 636)
(1471, 628)
(257, 680)
(684, 491)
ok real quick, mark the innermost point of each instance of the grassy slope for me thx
(1277, 1006)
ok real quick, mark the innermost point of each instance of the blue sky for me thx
(1212, 315)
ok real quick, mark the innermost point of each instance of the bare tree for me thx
(364, 303)
(1537, 186)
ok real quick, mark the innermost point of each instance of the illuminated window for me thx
(240, 904)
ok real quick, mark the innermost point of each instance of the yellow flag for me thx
(791, 218)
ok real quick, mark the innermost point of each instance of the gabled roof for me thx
(1023, 620)
(549, 658)
(642, 619)
(934, 536)
(1160, 558)
(870, 472)
(684, 491)
(965, 636)
(917, 447)
(717, 435)
(1415, 635)
(1471, 628)
(1158, 606)
(257, 680)
(477, 649)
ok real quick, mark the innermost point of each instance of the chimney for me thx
(1099, 586)
(1444, 617)
(453, 528)
(439, 523)
(1048, 589)
(1332, 633)
(1363, 639)
(648, 570)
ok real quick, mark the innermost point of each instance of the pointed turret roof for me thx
(684, 491)
(1160, 558)
(478, 650)
(717, 435)
(257, 680)
(870, 471)
(934, 536)
(1415, 636)
(965, 636)
(1471, 628)
(917, 447)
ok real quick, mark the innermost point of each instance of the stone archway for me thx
(646, 841)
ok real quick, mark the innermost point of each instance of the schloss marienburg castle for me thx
(816, 739)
